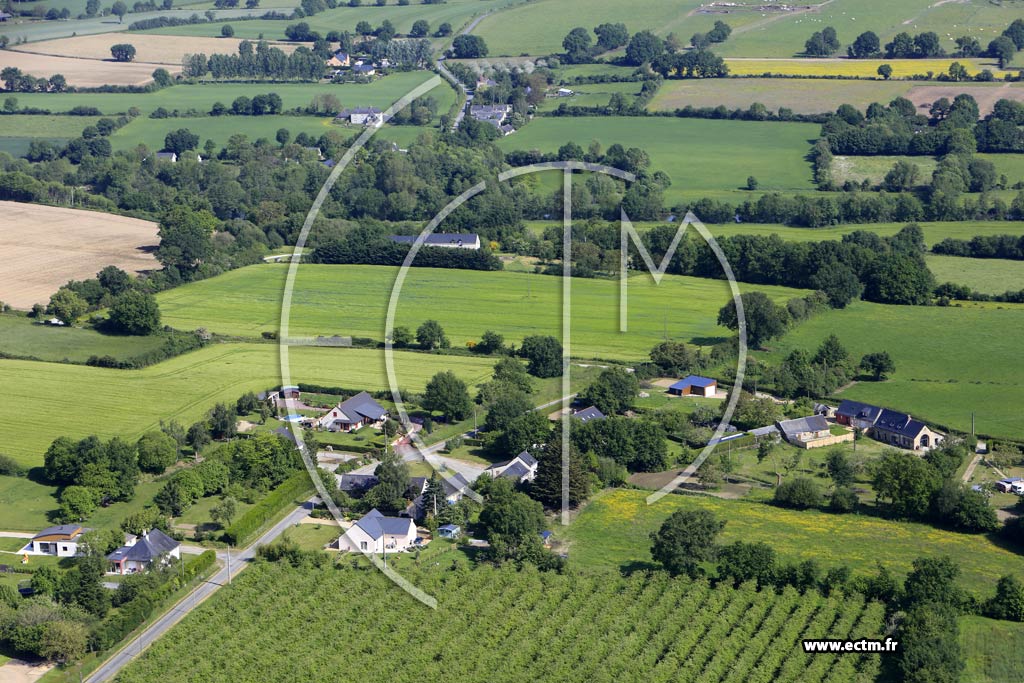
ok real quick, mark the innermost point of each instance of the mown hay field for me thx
(45, 246)
(84, 73)
(166, 50)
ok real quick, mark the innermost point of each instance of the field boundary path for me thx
(179, 610)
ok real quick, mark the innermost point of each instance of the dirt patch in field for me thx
(151, 49)
(42, 247)
(19, 671)
(83, 73)
(923, 95)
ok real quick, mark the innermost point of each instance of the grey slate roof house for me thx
(856, 414)
(353, 413)
(375, 533)
(140, 552)
(521, 468)
(588, 414)
(899, 429)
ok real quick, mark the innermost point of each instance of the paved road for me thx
(239, 559)
(451, 77)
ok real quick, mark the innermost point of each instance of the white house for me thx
(363, 116)
(62, 541)
(521, 468)
(353, 414)
(375, 533)
(140, 552)
(449, 240)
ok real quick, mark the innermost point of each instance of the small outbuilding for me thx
(694, 385)
(451, 531)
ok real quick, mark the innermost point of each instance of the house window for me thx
(362, 545)
(63, 548)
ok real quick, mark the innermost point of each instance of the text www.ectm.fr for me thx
(861, 645)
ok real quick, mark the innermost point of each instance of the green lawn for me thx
(874, 168)
(613, 531)
(699, 155)
(379, 93)
(21, 336)
(989, 275)
(994, 649)
(950, 362)
(313, 536)
(129, 402)
(25, 503)
(352, 300)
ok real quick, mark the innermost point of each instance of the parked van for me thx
(1017, 487)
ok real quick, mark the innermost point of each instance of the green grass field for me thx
(607, 628)
(345, 18)
(613, 531)
(994, 649)
(25, 504)
(874, 168)
(129, 402)
(950, 362)
(990, 276)
(352, 300)
(933, 231)
(537, 28)
(27, 125)
(803, 96)
(380, 93)
(699, 155)
(20, 336)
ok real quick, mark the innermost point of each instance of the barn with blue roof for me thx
(694, 385)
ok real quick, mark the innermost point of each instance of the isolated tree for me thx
(490, 342)
(223, 512)
(765, 319)
(1008, 602)
(157, 451)
(444, 29)
(799, 492)
(751, 183)
(1003, 49)
(544, 354)
(92, 7)
(885, 71)
(430, 335)
(119, 9)
(135, 313)
(67, 306)
(226, 31)
(906, 481)
(840, 468)
(447, 394)
(675, 358)
(878, 364)
(684, 540)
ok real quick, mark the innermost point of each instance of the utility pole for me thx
(972, 424)
(229, 565)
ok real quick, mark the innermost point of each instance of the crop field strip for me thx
(129, 402)
(612, 532)
(584, 627)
